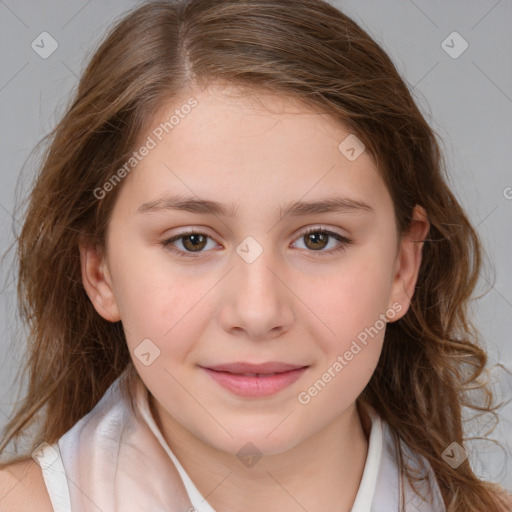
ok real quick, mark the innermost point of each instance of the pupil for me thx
(194, 241)
(318, 238)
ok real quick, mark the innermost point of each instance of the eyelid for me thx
(343, 241)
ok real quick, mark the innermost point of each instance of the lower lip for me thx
(244, 385)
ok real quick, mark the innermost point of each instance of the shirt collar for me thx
(365, 494)
(118, 459)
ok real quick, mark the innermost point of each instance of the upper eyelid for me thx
(202, 231)
(303, 232)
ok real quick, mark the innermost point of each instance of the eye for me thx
(316, 239)
(191, 241)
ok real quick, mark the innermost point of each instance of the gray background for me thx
(467, 100)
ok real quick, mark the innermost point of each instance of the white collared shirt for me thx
(117, 461)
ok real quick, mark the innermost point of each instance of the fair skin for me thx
(292, 304)
(22, 488)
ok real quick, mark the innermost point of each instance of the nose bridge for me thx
(254, 264)
(254, 298)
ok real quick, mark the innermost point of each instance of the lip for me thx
(268, 367)
(255, 380)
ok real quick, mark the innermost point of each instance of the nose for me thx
(257, 300)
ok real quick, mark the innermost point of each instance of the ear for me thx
(408, 261)
(98, 282)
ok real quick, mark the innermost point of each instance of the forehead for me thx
(251, 149)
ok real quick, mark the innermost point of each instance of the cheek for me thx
(158, 301)
(351, 298)
(163, 316)
(353, 315)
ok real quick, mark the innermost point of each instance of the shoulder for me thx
(23, 489)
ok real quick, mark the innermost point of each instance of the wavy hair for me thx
(305, 49)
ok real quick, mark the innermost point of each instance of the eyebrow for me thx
(294, 209)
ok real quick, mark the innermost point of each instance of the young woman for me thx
(246, 279)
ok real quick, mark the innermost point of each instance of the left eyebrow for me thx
(294, 209)
(328, 205)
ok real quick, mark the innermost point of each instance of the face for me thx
(263, 279)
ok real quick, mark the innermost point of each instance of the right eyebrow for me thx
(188, 204)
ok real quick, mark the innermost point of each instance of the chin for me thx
(259, 440)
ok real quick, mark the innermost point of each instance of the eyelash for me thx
(344, 242)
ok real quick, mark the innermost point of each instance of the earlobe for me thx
(98, 282)
(409, 261)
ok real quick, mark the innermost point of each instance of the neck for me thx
(321, 473)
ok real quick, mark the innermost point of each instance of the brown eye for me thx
(316, 240)
(194, 242)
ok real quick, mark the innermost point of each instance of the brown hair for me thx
(304, 49)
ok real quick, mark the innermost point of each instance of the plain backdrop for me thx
(456, 58)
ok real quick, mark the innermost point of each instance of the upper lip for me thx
(269, 367)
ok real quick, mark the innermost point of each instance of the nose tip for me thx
(255, 301)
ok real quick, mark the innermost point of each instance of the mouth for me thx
(255, 380)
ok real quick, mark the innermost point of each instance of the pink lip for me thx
(230, 376)
(269, 367)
